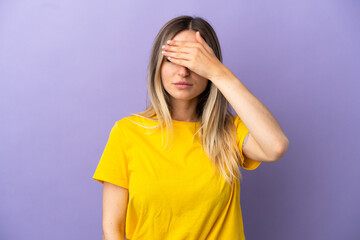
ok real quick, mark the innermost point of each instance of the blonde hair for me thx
(217, 130)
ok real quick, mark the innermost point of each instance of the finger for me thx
(178, 61)
(190, 45)
(183, 49)
(201, 40)
(183, 43)
(178, 55)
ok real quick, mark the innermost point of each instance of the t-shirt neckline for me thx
(183, 123)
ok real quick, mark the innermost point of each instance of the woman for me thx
(188, 188)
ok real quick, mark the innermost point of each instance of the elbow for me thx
(280, 149)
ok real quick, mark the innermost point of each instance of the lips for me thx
(183, 83)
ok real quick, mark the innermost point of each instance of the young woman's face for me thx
(172, 73)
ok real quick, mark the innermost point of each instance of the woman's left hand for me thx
(196, 56)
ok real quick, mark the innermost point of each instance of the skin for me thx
(183, 101)
(266, 142)
(115, 199)
(192, 60)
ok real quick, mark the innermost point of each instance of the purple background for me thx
(70, 69)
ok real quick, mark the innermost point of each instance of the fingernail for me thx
(169, 41)
(163, 47)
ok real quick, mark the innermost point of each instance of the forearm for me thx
(257, 118)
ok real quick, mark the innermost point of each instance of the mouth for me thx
(183, 85)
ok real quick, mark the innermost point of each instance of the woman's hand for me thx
(196, 56)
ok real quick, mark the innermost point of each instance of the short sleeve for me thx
(113, 164)
(242, 133)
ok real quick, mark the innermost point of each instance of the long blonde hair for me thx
(217, 130)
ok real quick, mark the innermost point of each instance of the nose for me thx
(183, 71)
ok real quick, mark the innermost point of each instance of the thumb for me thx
(199, 38)
(202, 41)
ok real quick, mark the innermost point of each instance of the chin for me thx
(183, 97)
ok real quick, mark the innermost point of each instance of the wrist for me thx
(221, 73)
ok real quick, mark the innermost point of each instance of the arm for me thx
(266, 142)
(115, 199)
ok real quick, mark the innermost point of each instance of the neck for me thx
(184, 110)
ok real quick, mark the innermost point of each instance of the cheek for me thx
(204, 88)
(203, 83)
(165, 71)
(166, 78)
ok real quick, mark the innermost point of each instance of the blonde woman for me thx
(172, 171)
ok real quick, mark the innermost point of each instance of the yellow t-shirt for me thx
(173, 194)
